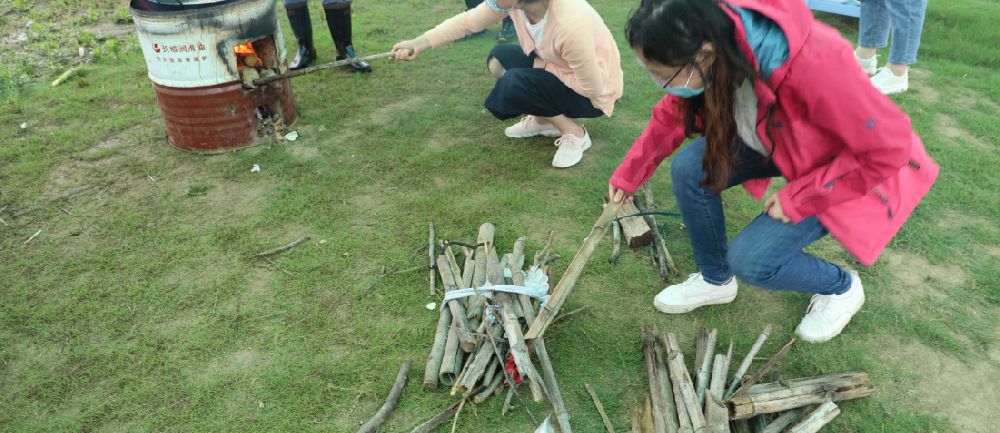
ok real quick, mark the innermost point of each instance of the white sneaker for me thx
(829, 314)
(693, 293)
(530, 127)
(869, 65)
(889, 83)
(571, 149)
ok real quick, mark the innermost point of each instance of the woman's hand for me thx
(417, 46)
(773, 208)
(616, 195)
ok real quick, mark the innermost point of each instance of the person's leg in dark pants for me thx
(338, 18)
(298, 18)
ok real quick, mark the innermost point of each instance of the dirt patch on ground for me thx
(443, 140)
(921, 73)
(948, 128)
(991, 250)
(385, 114)
(918, 278)
(241, 361)
(951, 219)
(303, 152)
(926, 93)
(966, 394)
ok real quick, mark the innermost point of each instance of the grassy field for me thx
(137, 308)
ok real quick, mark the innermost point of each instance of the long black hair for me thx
(672, 33)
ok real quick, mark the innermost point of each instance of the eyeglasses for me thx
(664, 86)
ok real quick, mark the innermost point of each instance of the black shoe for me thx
(507, 32)
(298, 17)
(339, 21)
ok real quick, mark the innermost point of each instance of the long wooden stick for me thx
(748, 360)
(667, 399)
(572, 274)
(458, 314)
(433, 367)
(679, 373)
(390, 403)
(703, 360)
(716, 415)
(600, 407)
(760, 373)
(487, 232)
(786, 419)
(280, 249)
(661, 247)
(555, 396)
(430, 257)
(656, 384)
(441, 418)
(820, 417)
(264, 81)
(515, 339)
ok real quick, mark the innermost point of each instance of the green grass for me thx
(143, 312)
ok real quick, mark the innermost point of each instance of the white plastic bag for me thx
(546, 426)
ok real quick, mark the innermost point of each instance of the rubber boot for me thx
(507, 32)
(338, 17)
(298, 17)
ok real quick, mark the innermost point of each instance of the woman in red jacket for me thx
(772, 93)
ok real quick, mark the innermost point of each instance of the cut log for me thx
(565, 286)
(468, 268)
(815, 420)
(486, 235)
(517, 276)
(743, 407)
(477, 368)
(716, 415)
(390, 403)
(679, 373)
(485, 394)
(749, 359)
(433, 368)
(555, 396)
(491, 371)
(786, 419)
(831, 381)
(656, 383)
(458, 314)
(635, 230)
(452, 360)
(704, 355)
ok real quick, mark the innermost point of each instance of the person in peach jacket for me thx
(566, 67)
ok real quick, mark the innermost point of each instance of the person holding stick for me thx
(772, 93)
(567, 66)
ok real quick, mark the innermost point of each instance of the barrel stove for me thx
(196, 58)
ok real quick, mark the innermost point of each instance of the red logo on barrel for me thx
(156, 47)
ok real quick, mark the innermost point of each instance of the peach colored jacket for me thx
(576, 46)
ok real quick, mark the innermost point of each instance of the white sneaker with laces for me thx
(694, 293)
(571, 149)
(869, 65)
(888, 83)
(829, 314)
(530, 127)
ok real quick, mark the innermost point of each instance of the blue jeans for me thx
(904, 17)
(767, 253)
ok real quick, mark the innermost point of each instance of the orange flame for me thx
(246, 48)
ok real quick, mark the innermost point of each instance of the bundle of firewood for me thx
(678, 403)
(479, 346)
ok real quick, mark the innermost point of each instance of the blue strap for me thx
(664, 228)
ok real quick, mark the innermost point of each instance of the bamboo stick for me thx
(656, 383)
(433, 368)
(616, 243)
(555, 396)
(492, 370)
(430, 257)
(745, 407)
(820, 417)
(667, 392)
(455, 270)
(703, 360)
(716, 414)
(390, 403)
(786, 419)
(760, 373)
(452, 350)
(458, 314)
(487, 232)
(441, 418)
(493, 384)
(517, 276)
(468, 268)
(572, 274)
(678, 372)
(600, 407)
(749, 359)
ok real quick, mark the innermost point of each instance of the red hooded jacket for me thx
(849, 153)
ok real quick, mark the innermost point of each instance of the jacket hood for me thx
(765, 44)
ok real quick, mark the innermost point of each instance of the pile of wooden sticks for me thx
(678, 403)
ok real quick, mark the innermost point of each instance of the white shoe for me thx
(530, 127)
(889, 83)
(869, 65)
(829, 314)
(571, 149)
(694, 293)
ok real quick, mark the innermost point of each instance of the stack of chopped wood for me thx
(473, 354)
(678, 403)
